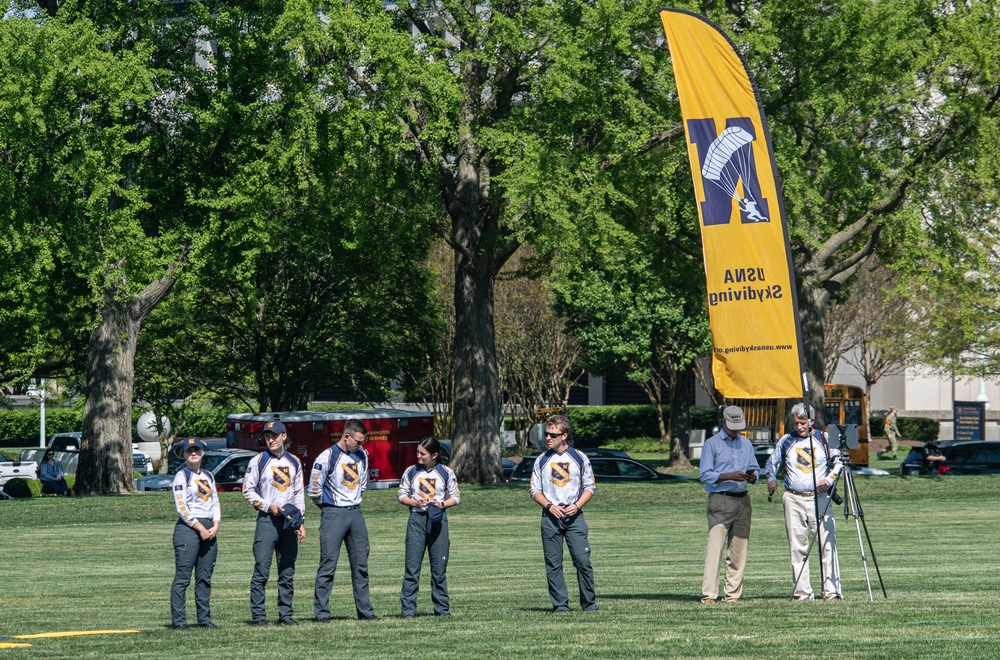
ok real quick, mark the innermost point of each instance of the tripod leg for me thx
(860, 515)
(859, 521)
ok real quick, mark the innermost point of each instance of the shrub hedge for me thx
(20, 427)
(599, 426)
(23, 488)
(919, 429)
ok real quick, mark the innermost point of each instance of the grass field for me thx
(107, 563)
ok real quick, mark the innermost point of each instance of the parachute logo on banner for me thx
(728, 162)
(752, 310)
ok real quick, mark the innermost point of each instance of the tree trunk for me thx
(654, 390)
(105, 466)
(681, 400)
(106, 453)
(478, 405)
(813, 306)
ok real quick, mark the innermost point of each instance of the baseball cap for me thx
(274, 427)
(733, 416)
(293, 516)
(187, 443)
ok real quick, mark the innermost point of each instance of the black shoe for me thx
(560, 610)
(259, 623)
(442, 614)
(181, 626)
(208, 625)
(289, 621)
(407, 616)
(326, 620)
(590, 608)
(367, 618)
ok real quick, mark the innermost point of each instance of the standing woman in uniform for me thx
(197, 503)
(428, 488)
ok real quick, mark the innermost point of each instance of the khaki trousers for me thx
(800, 520)
(728, 529)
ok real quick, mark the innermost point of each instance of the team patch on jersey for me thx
(803, 460)
(560, 473)
(427, 488)
(351, 477)
(281, 477)
(204, 490)
(178, 487)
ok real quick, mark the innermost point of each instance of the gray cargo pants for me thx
(574, 531)
(437, 545)
(269, 538)
(342, 525)
(191, 553)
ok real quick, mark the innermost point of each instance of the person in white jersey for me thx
(562, 482)
(427, 488)
(339, 478)
(273, 485)
(805, 458)
(195, 547)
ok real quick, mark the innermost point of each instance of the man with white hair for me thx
(805, 458)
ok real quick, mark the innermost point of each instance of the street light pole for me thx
(41, 408)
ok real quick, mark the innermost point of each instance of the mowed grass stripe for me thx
(94, 563)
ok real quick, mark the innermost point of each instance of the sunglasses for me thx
(550, 434)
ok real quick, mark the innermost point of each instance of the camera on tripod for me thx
(842, 436)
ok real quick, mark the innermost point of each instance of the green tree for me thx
(77, 169)
(307, 272)
(884, 117)
(506, 110)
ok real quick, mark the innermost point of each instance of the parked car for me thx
(913, 463)
(67, 449)
(444, 457)
(14, 469)
(969, 457)
(175, 459)
(227, 465)
(606, 469)
(601, 452)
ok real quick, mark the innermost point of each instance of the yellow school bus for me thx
(843, 404)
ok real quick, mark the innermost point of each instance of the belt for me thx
(803, 493)
(730, 494)
(345, 508)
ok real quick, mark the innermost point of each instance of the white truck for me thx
(67, 450)
(16, 469)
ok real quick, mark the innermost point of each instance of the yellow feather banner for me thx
(753, 312)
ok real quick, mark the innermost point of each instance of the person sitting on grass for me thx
(52, 475)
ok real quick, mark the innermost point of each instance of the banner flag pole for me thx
(757, 350)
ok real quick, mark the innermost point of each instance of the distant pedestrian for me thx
(562, 482)
(339, 479)
(273, 485)
(727, 465)
(52, 475)
(891, 434)
(197, 502)
(428, 488)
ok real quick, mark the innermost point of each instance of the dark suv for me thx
(972, 457)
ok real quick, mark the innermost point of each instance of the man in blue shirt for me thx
(727, 466)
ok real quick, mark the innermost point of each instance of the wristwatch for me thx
(548, 506)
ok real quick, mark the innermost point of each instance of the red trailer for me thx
(392, 436)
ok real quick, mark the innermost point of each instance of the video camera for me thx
(841, 436)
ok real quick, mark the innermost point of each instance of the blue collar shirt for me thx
(722, 454)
